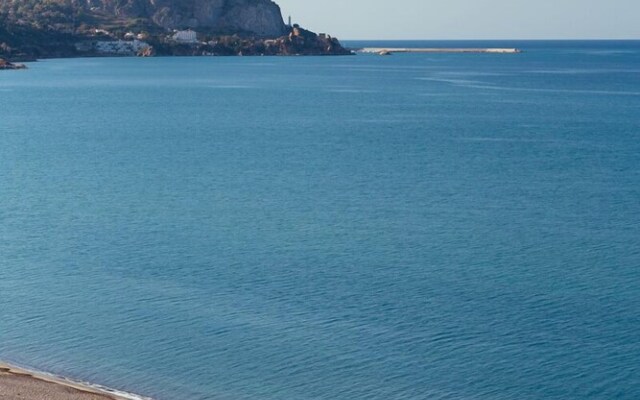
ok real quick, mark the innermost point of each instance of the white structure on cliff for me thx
(188, 36)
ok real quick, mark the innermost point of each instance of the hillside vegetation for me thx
(66, 28)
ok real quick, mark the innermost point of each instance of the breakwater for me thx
(390, 50)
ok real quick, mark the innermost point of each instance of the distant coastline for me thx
(298, 42)
(103, 28)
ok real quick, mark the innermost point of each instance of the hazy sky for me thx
(468, 19)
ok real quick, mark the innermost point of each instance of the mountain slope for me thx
(257, 17)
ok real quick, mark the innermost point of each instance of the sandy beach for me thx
(20, 384)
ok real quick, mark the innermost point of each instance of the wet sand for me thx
(19, 384)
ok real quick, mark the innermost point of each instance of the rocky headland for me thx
(31, 29)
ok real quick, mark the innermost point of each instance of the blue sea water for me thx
(419, 226)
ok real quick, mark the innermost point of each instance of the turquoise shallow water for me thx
(404, 227)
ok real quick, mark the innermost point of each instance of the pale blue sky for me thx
(468, 19)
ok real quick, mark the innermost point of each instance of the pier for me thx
(390, 50)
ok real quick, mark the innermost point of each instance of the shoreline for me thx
(25, 61)
(353, 51)
(7, 65)
(33, 385)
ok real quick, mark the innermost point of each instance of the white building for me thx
(188, 36)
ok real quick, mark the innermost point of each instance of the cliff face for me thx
(259, 17)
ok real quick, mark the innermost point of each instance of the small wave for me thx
(578, 71)
(453, 81)
(507, 140)
(348, 90)
(378, 67)
(439, 94)
(470, 74)
(73, 382)
(263, 64)
(606, 52)
(232, 87)
(118, 393)
(379, 121)
(472, 85)
(567, 91)
(531, 141)
(483, 85)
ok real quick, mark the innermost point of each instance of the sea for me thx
(416, 226)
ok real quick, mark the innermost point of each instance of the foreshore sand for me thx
(20, 384)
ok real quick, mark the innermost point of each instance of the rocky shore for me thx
(4, 65)
(297, 41)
